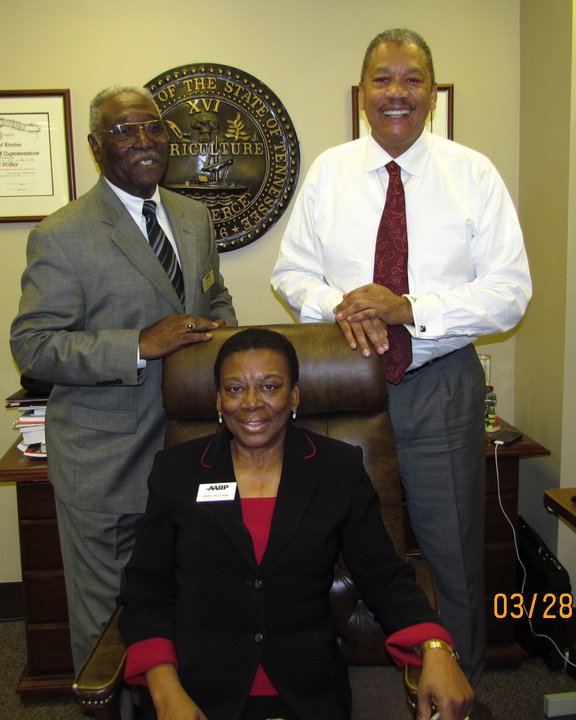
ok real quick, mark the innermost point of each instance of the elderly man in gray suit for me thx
(98, 312)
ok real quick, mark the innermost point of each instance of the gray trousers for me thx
(95, 548)
(438, 419)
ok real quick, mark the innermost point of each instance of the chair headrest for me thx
(333, 378)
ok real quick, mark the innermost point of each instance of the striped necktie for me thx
(391, 269)
(163, 248)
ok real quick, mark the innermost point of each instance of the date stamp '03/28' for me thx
(546, 606)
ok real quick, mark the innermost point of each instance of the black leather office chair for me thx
(342, 395)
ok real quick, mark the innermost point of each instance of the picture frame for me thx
(440, 122)
(36, 156)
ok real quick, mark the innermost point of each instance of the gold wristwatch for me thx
(439, 645)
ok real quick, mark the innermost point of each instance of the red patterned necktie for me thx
(391, 269)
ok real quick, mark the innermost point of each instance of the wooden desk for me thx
(558, 501)
(49, 669)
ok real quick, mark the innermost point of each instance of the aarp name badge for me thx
(212, 492)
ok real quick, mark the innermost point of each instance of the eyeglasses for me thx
(129, 132)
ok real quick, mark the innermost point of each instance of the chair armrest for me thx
(100, 678)
(411, 677)
(425, 579)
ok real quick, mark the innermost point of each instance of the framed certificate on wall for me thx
(36, 160)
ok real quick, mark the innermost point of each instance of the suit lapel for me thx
(126, 235)
(297, 485)
(228, 514)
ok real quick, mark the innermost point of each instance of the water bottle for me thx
(490, 417)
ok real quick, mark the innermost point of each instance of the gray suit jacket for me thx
(91, 284)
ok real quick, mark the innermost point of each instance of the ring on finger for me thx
(190, 327)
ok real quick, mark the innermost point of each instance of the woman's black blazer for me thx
(193, 577)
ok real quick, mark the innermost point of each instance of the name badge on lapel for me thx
(207, 280)
(213, 492)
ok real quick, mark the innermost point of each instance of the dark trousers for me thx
(438, 419)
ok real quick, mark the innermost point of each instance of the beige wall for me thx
(309, 53)
(568, 451)
(546, 343)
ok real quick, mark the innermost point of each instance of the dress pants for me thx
(95, 548)
(437, 414)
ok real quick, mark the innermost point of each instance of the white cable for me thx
(497, 443)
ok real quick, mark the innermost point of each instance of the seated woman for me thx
(226, 601)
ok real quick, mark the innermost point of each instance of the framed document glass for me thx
(36, 161)
(440, 122)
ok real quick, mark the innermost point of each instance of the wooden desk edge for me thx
(14, 466)
(558, 501)
(525, 447)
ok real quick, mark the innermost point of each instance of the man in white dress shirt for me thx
(468, 276)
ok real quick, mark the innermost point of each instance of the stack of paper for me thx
(31, 423)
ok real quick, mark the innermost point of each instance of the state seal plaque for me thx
(232, 146)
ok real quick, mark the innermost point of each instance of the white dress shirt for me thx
(467, 267)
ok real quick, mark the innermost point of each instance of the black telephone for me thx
(505, 437)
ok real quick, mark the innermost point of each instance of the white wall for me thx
(308, 53)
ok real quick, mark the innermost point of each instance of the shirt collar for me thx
(132, 203)
(412, 161)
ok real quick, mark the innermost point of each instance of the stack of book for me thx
(31, 423)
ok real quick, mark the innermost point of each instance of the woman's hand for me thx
(443, 684)
(170, 699)
(179, 706)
